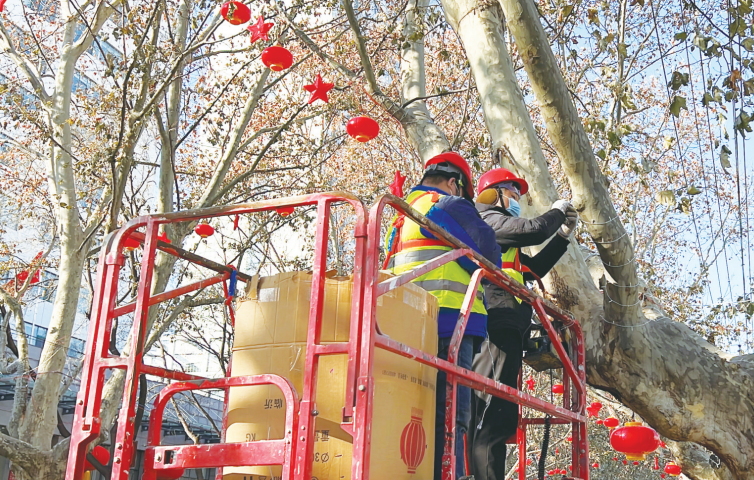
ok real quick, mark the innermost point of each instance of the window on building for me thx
(191, 368)
(76, 349)
(40, 334)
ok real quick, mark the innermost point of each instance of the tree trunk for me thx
(660, 369)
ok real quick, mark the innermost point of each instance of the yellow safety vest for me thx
(411, 249)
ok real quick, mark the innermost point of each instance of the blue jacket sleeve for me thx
(460, 218)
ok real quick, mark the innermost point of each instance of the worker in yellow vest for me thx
(445, 196)
(509, 319)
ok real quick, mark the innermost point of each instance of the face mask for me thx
(514, 208)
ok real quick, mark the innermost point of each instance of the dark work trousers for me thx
(463, 404)
(500, 420)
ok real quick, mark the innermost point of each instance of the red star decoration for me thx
(258, 30)
(396, 188)
(530, 383)
(319, 90)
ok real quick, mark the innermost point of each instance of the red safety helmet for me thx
(500, 175)
(461, 167)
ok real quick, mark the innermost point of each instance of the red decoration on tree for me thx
(672, 469)
(557, 389)
(362, 129)
(594, 409)
(235, 13)
(528, 462)
(2, 5)
(563, 471)
(102, 456)
(235, 223)
(131, 244)
(657, 464)
(318, 90)
(396, 188)
(595, 465)
(557, 451)
(615, 459)
(625, 462)
(204, 230)
(662, 475)
(635, 440)
(163, 237)
(662, 444)
(285, 211)
(600, 422)
(636, 463)
(570, 438)
(277, 58)
(259, 30)
(611, 422)
(530, 383)
(413, 442)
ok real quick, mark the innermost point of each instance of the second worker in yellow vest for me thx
(509, 319)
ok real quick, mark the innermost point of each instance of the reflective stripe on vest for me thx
(512, 266)
(448, 282)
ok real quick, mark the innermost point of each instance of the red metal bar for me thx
(414, 273)
(161, 297)
(451, 383)
(170, 374)
(305, 449)
(265, 452)
(127, 415)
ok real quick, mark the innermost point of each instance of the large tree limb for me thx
(588, 185)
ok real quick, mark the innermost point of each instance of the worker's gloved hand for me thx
(561, 205)
(569, 226)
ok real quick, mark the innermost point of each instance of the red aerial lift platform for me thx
(294, 452)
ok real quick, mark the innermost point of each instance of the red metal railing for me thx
(364, 337)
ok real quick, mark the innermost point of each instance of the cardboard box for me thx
(270, 337)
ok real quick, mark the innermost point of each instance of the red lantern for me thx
(635, 440)
(594, 409)
(615, 459)
(551, 472)
(611, 422)
(662, 475)
(563, 471)
(600, 422)
(362, 129)
(130, 244)
(557, 389)
(625, 462)
(557, 451)
(163, 237)
(570, 438)
(413, 442)
(528, 462)
(595, 465)
(672, 469)
(204, 230)
(277, 58)
(102, 456)
(171, 474)
(285, 211)
(235, 13)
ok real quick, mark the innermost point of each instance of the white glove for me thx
(561, 205)
(569, 226)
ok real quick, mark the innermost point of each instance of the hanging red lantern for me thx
(285, 211)
(625, 462)
(662, 475)
(570, 438)
(615, 459)
(600, 422)
(636, 463)
(635, 440)
(163, 237)
(413, 442)
(530, 383)
(362, 129)
(557, 451)
(528, 462)
(551, 472)
(235, 13)
(204, 230)
(277, 58)
(557, 389)
(611, 422)
(595, 465)
(672, 469)
(101, 454)
(170, 474)
(131, 244)
(594, 409)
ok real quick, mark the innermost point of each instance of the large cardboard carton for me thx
(270, 337)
